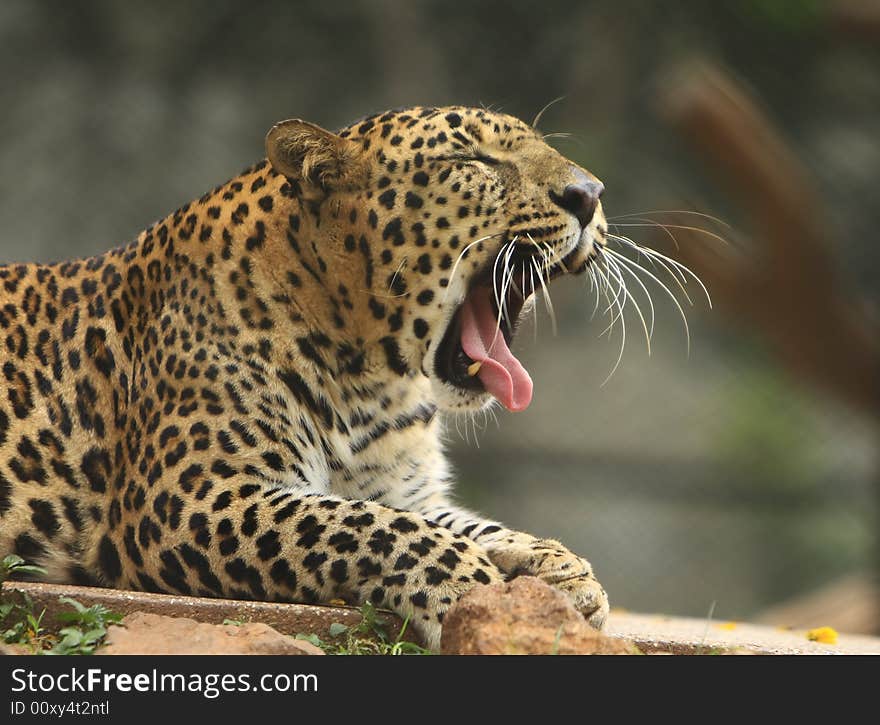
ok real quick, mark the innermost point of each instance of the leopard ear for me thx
(315, 157)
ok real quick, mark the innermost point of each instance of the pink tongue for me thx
(500, 372)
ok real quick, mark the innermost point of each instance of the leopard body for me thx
(245, 401)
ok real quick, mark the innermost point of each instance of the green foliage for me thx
(85, 630)
(85, 627)
(368, 637)
(13, 564)
(21, 624)
(234, 622)
(317, 641)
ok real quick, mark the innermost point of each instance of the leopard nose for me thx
(580, 199)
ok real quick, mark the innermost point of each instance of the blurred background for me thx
(741, 479)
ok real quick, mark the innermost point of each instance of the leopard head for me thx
(442, 224)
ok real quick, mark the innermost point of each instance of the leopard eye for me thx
(486, 159)
(475, 157)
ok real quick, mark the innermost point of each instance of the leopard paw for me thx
(588, 597)
(551, 562)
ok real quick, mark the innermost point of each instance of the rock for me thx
(149, 634)
(14, 649)
(523, 616)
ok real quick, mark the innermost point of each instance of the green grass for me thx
(235, 622)
(84, 627)
(369, 637)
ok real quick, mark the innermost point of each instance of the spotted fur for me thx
(243, 401)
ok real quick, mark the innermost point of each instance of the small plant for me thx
(21, 624)
(25, 626)
(13, 564)
(314, 639)
(368, 637)
(85, 630)
(85, 627)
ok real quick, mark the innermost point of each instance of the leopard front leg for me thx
(309, 548)
(516, 553)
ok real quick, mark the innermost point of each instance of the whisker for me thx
(622, 328)
(613, 267)
(506, 277)
(715, 219)
(461, 256)
(396, 273)
(498, 299)
(473, 420)
(546, 296)
(491, 411)
(605, 287)
(511, 270)
(546, 253)
(632, 274)
(557, 134)
(667, 227)
(636, 304)
(668, 292)
(546, 292)
(614, 274)
(544, 109)
(608, 291)
(669, 234)
(594, 282)
(553, 257)
(674, 273)
(617, 295)
(636, 248)
(683, 268)
(380, 296)
(534, 302)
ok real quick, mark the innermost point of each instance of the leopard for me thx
(248, 400)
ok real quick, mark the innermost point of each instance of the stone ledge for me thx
(682, 635)
(286, 618)
(651, 633)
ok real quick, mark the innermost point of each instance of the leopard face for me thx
(462, 215)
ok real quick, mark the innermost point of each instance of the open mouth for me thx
(474, 353)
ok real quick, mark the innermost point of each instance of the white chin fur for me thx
(450, 399)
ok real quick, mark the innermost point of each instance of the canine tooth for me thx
(474, 368)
